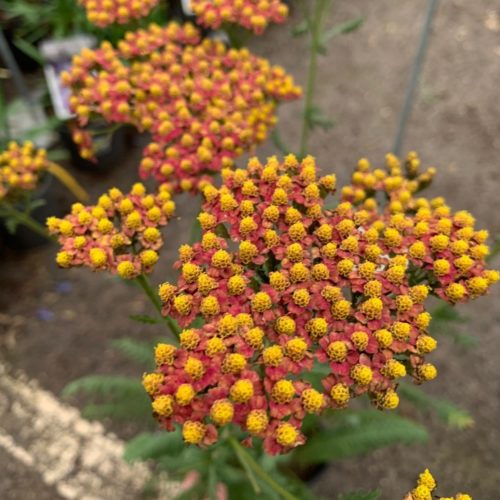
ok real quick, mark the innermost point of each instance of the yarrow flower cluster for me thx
(425, 490)
(254, 15)
(306, 287)
(102, 13)
(20, 168)
(204, 104)
(119, 234)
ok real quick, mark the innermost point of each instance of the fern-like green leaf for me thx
(134, 409)
(153, 446)
(451, 414)
(106, 385)
(139, 352)
(358, 432)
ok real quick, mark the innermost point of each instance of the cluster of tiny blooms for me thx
(102, 13)
(203, 104)
(119, 234)
(253, 15)
(284, 285)
(425, 490)
(20, 168)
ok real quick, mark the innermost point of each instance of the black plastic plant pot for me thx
(25, 62)
(56, 204)
(110, 148)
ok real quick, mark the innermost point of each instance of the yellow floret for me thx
(394, 369)
(312, 400)
(193, 432)
(234, 363)
(340, 394)
(164, 354)
(337, 351)
(163, 405)
(98, 257)
(426, 344)
(361, 374)
(151, 382)
(257, 421)
(222, 412)
(273, 355)
(241, 391)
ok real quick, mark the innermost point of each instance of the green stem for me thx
(315, 24)
(26, 220)
(144, 283)
(244, 456)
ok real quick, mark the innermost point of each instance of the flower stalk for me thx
(247, 461)
(143, 281)
(315, 24)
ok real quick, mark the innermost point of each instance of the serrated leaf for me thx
(11, 224)
(451, 414)
(139, 352)
(105, 385)
(145, 319)
(355, 433)
(34, 204)
(132, 409)
(342, 29)
(29, 49)
(196, 232)
(316, 118)
(153, 446)
(360, 495)
(301, 28)
(221, 231)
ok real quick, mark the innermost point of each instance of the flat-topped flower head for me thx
(121, 233)
(280, 283)
(21, 166)
(254, 15)
(426, 490)
(203, 104)
(102, 13)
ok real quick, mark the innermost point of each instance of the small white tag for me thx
(186, 7)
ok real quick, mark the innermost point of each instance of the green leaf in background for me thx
(134, 408)
(342, 29)
(145, 319)
(301, 28)
(358, 432)
(360, 495)
(451, 414)
(139, 352)
(445, 321)
(106, 385)
(316, 118)
(278, 141)
(153, 445)
(29, 49)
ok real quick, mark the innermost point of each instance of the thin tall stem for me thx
(144, 283)
(243, 455)
(314, 24)
(414, 77)
(25, 220)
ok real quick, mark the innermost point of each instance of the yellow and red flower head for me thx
(20, 168)
(254, 15)
(282, 283)
(102, 13)
(121, 233)
(203, 104)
